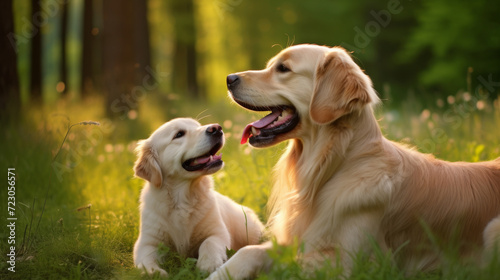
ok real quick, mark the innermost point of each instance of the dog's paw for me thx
(219, 274)
(152, 269)
(247, 263)
(210, 263)
(232, 271)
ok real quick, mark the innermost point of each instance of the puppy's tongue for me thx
(265, 121)
(203, 160)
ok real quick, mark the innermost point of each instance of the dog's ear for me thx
(147, 166)
(340, 88)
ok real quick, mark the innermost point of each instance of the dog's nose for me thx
(214, 130)
(232, 81)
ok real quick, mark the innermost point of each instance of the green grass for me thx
(78, 213)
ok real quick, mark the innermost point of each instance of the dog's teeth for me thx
(283, 115)
(255, 131)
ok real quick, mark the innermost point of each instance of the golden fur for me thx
(180, 208)
(341, 182)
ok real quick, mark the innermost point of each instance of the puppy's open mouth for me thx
(207, 161)
(281, 120)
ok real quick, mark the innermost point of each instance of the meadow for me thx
(77, 199)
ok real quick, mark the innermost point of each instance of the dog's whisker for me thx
(199, 118)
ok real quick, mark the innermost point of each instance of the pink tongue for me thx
(265, 121)
(204, 160)
(200, 161)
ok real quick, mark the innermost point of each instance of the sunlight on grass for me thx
(95, 168)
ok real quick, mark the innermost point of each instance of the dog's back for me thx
(441, 205)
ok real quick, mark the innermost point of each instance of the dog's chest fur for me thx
(175, 213)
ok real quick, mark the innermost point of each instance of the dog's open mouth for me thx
(281, 120)
(206, 161)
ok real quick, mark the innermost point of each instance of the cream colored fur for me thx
(341, 183)
(180, 209)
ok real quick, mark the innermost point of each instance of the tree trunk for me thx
(142, 46)
(125, 55)
(63, 88)
(184, 74)
(10, 101)
(91, 53)
(36, 55)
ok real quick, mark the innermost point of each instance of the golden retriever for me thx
(341, 184)
(178, 204)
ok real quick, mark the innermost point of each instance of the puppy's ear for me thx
(340, 88)
(147, 166)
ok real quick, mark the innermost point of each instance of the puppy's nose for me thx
(232, 81)
(214, 130)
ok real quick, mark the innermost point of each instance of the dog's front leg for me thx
(246, 263)
(146, 258)
(212, 252)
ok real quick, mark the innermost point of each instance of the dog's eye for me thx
(282, 68)
(179, 134)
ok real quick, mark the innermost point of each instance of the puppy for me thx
(178, 204)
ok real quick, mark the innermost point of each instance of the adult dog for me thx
(341, 184)
(178, 204)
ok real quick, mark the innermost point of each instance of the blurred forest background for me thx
(124, 50)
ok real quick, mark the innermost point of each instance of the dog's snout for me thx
(214, 130)
(232, 81)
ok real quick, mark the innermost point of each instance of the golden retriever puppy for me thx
(341, 184)
(178, 204)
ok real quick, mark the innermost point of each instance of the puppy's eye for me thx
(179, 134)
(282, 68)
